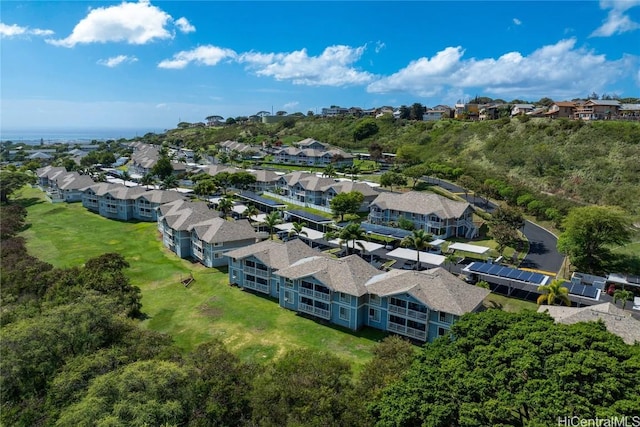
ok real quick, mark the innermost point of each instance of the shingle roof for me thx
(161, 196)
(48, 171)
(348, 274)
(275, 254)
(219, 230)
(265, 175)
(74, 181)
(616, 320)
(117, 191)
(348, 186)
(421, 203)
(610, 102)
(213, 170)
(172, 208)
(436, 288)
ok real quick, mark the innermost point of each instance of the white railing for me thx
(408, 331)
(256, 286)
(293, 201)
(306, 308)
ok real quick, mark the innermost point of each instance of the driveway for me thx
(542, 255)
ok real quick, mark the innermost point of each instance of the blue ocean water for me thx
(52, 136)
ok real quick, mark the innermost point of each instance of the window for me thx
(218, 244)
(374, 299)
(249, 264)
(443, 317)
(374, 314)
(217, 255)
(442, 332)
(345, 298)
(344, 313)
(287, 297)
(288, 283)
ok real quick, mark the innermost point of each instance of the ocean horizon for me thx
(53, 136)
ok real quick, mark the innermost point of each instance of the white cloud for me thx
(616, 22)
(133, 23)
(204, 55)
(16, 30)
(291, 105)
(379, 46)
(517, 21)
(184, 25)
(333, 67)
(558, 70)
(117, 60)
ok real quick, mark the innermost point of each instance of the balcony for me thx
(256, 286)
(315, 311)
(406, 312)
(256, 272)
(314, 294)
(407, 331)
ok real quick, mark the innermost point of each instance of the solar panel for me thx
(385, 231)
(525, 276)
(591, 292)
(537, 278)
(309, 216)
(494, 269)
(258, 199)
(483, 268)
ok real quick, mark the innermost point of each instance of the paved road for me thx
(542, 255)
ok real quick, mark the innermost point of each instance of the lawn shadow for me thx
(29, 201)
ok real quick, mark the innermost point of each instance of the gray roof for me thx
(630, 107)
(219, 230)
(146, 156)
(348, 274)
(117, 191)
(421, 203)
(74, 181)
(161, 196)
(175, 206)
(610, 102)
(48, 171)
(213, 170)
(265, 175)
(616, 320)
(436, 288)
(348, 186)
(238, 146)
(310, 141)
(40, 155)
(275, 254)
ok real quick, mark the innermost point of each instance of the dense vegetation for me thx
(584, 163)
(73, 354)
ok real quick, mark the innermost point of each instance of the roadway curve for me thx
(542, 255)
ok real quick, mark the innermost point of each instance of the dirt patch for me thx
(208, 310)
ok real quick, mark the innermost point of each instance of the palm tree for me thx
(147, 180)
(297, 229)
(169, 182)
(623, 295)
(225, 205)
(271, 221)
(251, 211)
(451, 260)
(204, 187)
(353, 170)
(554, 291)
(418, 240)
(352, 232)
(124, 175)
(329, 171)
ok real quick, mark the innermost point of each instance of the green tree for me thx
(225, 205)
(12, 181)
(500, 369)
(204, 187)
(416, 111)
(554, 292)
(391, 179)
(303, 387)
(148, 180)
(589, 232)
(346, 203)
(622, 295)
(163, 168)
(251, 211)
(415, 173)
(124, 176)
(271, 220)
(418, 240)
(352, 232)
(170, 181)
(242, 180)
(297, 229)
(223, 181)
(329, 171)
(364, 129)
(409, 154)
(504, 235)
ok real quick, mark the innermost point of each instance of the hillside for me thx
(593, 163)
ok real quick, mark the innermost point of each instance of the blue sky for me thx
(149, 64)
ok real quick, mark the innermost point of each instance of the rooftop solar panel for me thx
(525, 276)
(309, 216)
(513, 274)
(537, 278)
(385, 231)
(591, 292)
(261, 200)
(494, 269)
(483, 268)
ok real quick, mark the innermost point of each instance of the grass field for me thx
(254, 327)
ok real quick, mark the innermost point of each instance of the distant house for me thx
(597, 109)
(439, 216)
(521, 109)
(245, 150)
(351, 292)
(48, 173)
(563, 109)
(311, 152)
(70, 186)
(265, 181)
(629, 112)
(433, 115)
(145, 157)
(334, 111)
(211, 238)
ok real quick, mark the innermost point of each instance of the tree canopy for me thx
(346, 203)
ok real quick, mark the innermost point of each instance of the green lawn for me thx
(508, 304)
(254, 327)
